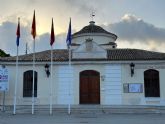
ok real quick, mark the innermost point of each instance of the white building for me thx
(100, 73)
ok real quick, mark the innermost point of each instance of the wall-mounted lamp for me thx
(132, 66)
(102, 77)
(47, 70)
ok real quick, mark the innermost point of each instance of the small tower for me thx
(103, 38)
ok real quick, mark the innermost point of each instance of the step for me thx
(80, 109)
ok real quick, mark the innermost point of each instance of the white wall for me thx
(111, 87)
(138, 77)
(65, 90)
(99, 39)
(43, 83)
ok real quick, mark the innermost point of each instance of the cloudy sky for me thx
(138, 23)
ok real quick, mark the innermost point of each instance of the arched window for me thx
(151, 83)
(28, 83)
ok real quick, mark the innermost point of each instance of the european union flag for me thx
(69, 35)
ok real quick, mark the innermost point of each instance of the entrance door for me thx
(89, 87)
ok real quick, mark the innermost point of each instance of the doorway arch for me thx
(89, 92)
(28, 83)
(151, 83)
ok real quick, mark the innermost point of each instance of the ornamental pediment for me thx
(89, 49)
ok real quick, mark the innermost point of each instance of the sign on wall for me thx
(4, 79)
(135, 88)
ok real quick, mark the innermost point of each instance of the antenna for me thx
(26, 48)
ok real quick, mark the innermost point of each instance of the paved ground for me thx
(62, 118)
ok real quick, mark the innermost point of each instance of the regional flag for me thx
(69, 35)
(18, 33)
(33, 30)
(52, 37)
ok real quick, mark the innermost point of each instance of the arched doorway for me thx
(89, 87)
(151, 83)
(28, 83)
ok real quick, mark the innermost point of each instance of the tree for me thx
(3, 54)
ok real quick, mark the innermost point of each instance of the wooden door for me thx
(89, 87)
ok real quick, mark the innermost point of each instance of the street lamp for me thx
(132, 66)
(47, 70)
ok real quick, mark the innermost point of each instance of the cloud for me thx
(133, 29)
(134, 32)
(8, 39)
(43, 42)
(84, 6)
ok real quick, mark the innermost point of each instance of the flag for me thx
(18, 33)
(52, 37)
(33, 31)
(69, 35)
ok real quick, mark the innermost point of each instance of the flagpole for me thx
(68, 41)
(33, 76)
(52, 39)
(69, 106)
(16, 79)
(33, 32)
(16, 82)
(51, 68)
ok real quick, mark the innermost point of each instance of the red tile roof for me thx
(61, 55)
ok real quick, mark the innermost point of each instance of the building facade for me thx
(100, 73)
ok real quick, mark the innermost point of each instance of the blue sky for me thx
(138, 23)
